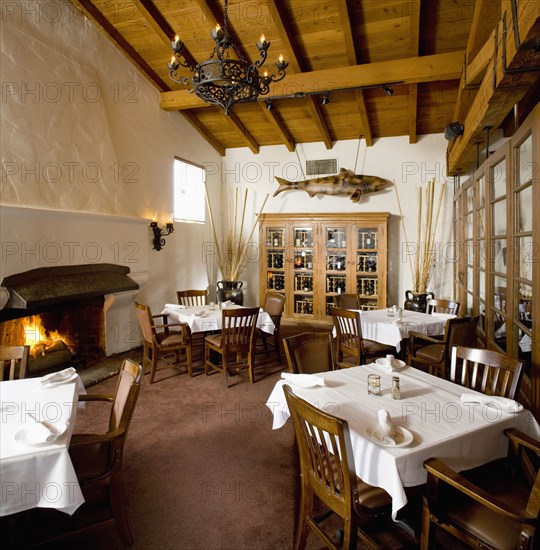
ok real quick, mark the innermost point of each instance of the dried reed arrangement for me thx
(231, 253)
(422, 261)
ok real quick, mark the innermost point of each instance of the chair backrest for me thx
(348, 301)
(14, 358)
(442, 306)
(238, 328)
(127, 391)
(348, 333)
(460, 331)
(325, 450)
(192, 297)
(309, 352)
(274, 303)
(486, 371)
(144, 316)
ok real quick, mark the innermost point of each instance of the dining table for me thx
(37, 422)
(381, 327)
(208, 318)
(430, 416)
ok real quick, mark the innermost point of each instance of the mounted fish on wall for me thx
(345, 183)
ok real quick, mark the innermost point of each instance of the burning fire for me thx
(37, 337)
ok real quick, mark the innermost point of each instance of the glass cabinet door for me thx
(303, 261)
(367, 266)
(275, 258)
(335, 250)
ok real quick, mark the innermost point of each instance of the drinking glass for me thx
(374, 384)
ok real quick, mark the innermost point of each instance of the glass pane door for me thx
(303, 270)
(367, 266)
(275, 258)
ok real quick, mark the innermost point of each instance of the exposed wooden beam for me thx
(345, 20)
(499, 91)
(201, 128)
(275, 119)
(294, 64)
(428, 68)
(251, 142)
(124, 45)
(413, 113)
(485, 16)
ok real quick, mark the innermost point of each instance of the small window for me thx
(189, 199)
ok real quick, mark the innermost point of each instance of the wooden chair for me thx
(159, 341)
(485, 371)
(15, 360)
(433, 354)
(309, 352)
(492, 506)
(442, 306)
(327, 471)
(97, 459)
(274, 303)
(192, 297)
(348, 301)
(237, 337)
(351, 344)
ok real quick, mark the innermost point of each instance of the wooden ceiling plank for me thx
(250, 141)
(491, 106)
(345, 21)
(124, 45)
(485, 16)
(275, 119)
(413, 112)
(428, 68)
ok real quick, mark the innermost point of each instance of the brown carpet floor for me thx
(203, 469)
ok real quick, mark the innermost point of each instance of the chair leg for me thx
(155, 359)
(119, 513)
(426, 529)
(206, 358)
(277, 345)
(251, 365)
(306, 507)
(189, 361)
(225, 368)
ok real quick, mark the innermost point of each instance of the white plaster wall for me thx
(87, 154)
(410, 166)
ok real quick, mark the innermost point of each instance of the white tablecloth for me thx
(462, 435)
(211, 319)
(37, 475)
(376, 325)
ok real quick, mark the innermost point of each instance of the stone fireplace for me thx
(69, 315)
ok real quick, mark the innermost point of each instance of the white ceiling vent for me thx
(321, 167)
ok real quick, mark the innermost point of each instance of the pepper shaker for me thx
(395, 388)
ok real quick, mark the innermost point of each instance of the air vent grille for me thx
(321, 167)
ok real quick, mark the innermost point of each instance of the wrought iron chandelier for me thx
(222, 80)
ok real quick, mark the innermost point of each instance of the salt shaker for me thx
(395, 388)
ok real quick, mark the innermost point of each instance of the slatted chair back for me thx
(486, 371)
(348, 336)
(238, 329)
(442, 306)
(190, 298)
(14, 360)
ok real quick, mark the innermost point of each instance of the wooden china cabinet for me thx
(497, 229)
(312, 258)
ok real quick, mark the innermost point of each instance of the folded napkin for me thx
(504, 403)
(389, 363)
(386, 428)
(303, 380)
(227, 303)
(43, 432)
(444, 315)
(175, 306)
(56, 377)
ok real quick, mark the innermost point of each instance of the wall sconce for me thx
(325, 100)
(387, 90)
(158, 241)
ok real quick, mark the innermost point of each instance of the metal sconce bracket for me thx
(158, 241)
